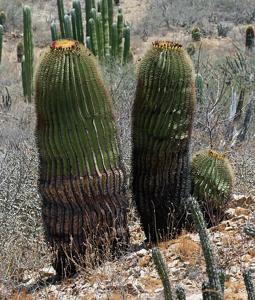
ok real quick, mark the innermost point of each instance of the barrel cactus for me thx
(212, 182)
(249, 38)
(162, 119)
(196, 34)
(82, 181)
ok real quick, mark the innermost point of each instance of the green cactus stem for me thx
(199, 87)
(162, 119)
(249, 284)
(74, 26)
(23, 75)
(68, 27)
(1, 41)
(88, 43)
(100, 36)
(213, 287)
(28, 51)
(53, 30)
(114, 48)
(61, 15)
(126, 52)
(163, 273)
(81, 178)
(93, 14)
(212, 182)
(93, 36)
(120, 26)
(20, 52)
(88, 7)
(196, 34)
(105, 19)
(249, 230)
(110, 20)
(249, 38)
(79, 25)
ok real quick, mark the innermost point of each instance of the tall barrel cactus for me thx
(82, 181)
(249, 38)
(161, 129)
(212, 182)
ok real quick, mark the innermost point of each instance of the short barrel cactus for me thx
(82, 181)
(249, 38)
(161, 129)
(212, 182)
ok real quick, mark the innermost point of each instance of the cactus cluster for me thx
(82, 180)
(105, 37)
(212, 182)
(161, 129)
(249, 38)
(196, 34)
(28, 59)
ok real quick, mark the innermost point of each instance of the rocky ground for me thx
(134, 275)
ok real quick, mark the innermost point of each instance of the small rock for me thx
(142, 252)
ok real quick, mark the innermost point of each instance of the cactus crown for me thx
(216, 155)
(65, 44)
(166, 45)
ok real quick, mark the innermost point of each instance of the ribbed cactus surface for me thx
(212, 182)
(81, 175)
(161, 128)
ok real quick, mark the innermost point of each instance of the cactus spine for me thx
(162, 119)
(82, 181)
(163, 273)
(61, 15)
(28, 52)
(249, 38)
(214, 286)
(1, 41)
(212, 182)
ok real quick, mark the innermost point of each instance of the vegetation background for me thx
(24, 257)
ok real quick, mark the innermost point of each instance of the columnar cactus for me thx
(161, 129)
(28, 52)
(212, 182)
(1, 41)
(120, 26)
(105, 19)
(68, 27)
(196, 34)
(79, 26)
(214, 287)
(53, 30)
(89, 4)
(249, 38)
(249, 284)
(82, 181)
(61, 15)
(199, 87)
(163, 273)
(20, 52)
